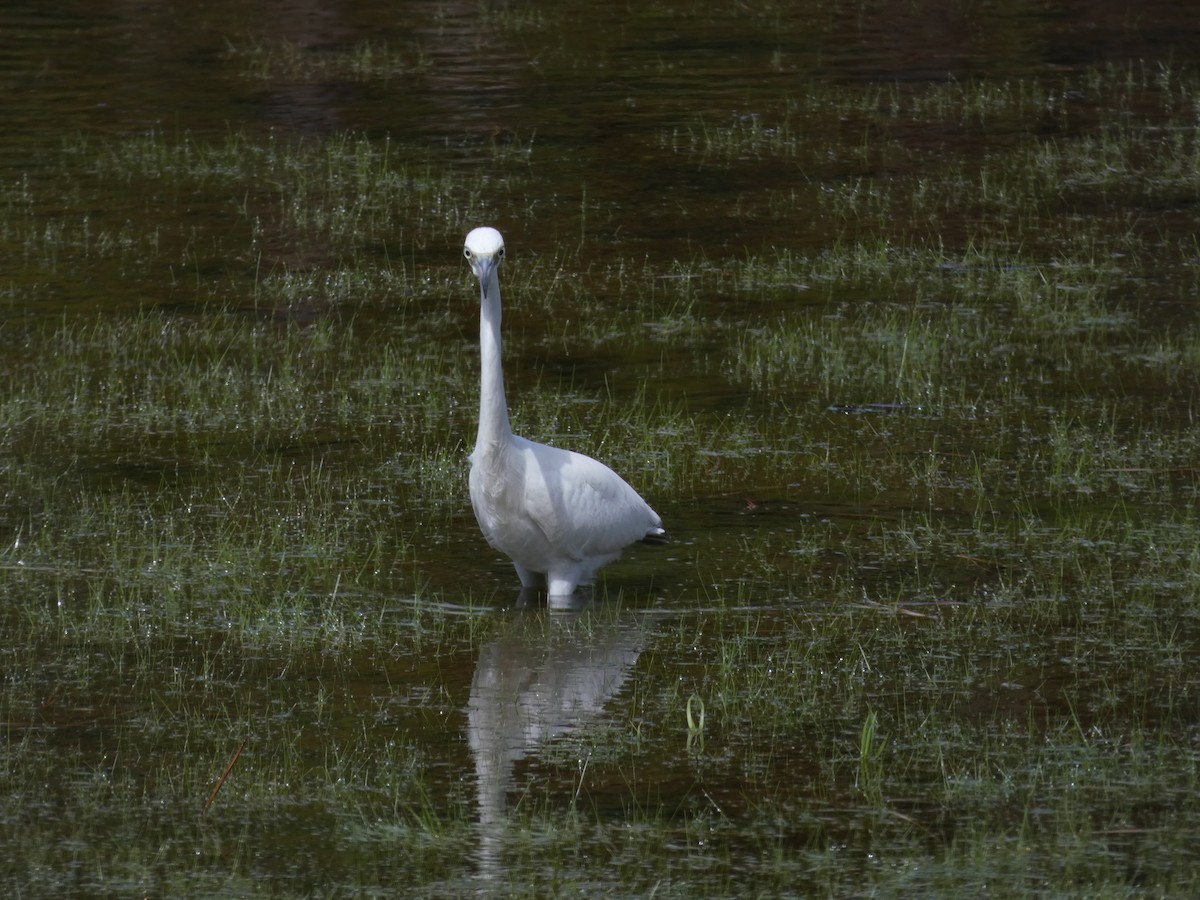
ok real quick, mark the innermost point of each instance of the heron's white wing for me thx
(583, 507)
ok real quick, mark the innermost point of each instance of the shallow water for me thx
(969, 534)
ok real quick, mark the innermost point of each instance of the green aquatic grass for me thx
(1093, 159)
(343, 191)
(277, 224)
(291, 62)
(913, 314)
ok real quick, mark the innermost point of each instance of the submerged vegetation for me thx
(913, 386)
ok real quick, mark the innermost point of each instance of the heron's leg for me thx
(528, 579)
(561, 582)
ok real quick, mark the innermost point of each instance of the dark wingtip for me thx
(656, 536)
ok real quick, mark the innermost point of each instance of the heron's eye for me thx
(500, 253)
(467, 252)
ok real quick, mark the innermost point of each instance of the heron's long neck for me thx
(494, 426)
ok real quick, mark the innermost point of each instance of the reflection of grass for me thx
(933, 485)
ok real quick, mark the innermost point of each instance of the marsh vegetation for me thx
(908, 364)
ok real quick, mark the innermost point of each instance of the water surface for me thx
(926, 450)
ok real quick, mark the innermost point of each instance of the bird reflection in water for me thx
(547, 674)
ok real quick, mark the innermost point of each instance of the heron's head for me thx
(484, 250)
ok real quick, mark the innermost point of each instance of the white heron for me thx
(558, 515)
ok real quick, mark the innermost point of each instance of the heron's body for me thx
(557, 514)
